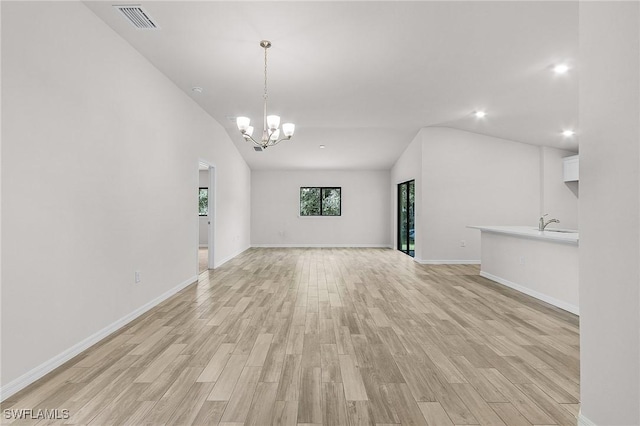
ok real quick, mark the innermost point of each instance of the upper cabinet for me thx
(571, 167)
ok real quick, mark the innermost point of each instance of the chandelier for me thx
(270, 129)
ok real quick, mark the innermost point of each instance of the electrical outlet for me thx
(463, 243)
(137, 276)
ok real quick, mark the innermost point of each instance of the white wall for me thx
(408, 167)
(275, 208)
(472, 179)
(610, 213)
(99, 165)
(203, 229)
(465, 178)
(559, 198)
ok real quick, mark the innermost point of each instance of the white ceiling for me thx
(363, 77)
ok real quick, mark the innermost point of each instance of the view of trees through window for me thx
(203, 202)
(318, 201)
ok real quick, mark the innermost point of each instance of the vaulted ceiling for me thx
(363, 77)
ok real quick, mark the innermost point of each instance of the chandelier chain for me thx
(265, 73)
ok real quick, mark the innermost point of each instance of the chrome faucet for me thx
(543, 224)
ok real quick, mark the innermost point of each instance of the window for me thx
(318, 201)
(203, 202)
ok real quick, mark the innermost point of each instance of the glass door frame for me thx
(405, 248)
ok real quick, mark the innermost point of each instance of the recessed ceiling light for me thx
(197, 89)
(568, 133)
(480, 114)
(560, 68)
(321, 147)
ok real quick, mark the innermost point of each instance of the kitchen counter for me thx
(551, 234)
(541, 264)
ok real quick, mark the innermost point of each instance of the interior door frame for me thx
(211, 215)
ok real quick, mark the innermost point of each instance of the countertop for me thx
(570, 236)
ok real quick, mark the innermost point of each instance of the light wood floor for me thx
(328, 336)
(203, 259)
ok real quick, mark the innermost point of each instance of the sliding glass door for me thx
(406, 217)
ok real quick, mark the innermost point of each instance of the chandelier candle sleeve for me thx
(271, 131)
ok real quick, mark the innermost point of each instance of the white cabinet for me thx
(571, 167)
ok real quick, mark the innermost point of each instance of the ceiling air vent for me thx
(137, 16)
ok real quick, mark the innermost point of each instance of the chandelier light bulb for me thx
(288, 129)
(568, 133)
(273, 122)
(561, 69)
(243, 123)
(480, 114)
(275, 135)
(249, 131)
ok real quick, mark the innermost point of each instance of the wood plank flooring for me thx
(327, 336)
(203, 259)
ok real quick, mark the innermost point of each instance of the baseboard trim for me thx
(545, 298)
(48, 366)
(583, 421)
(228, 258)
(447, 262)
(321, 245)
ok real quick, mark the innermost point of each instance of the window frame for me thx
(321, 188)
(200, 189)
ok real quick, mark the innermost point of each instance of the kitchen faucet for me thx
(543, 224)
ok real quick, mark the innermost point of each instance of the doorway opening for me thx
(206, 210)
(406, 217)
